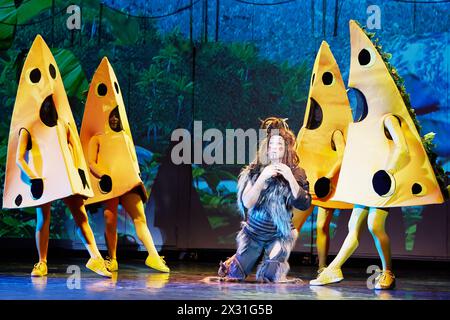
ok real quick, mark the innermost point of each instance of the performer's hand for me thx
(268, 172)
(285, 171)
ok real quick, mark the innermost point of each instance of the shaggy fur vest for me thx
(276, 200)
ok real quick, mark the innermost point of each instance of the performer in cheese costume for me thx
(114, 169)
(321, 144)
(385, 164)
(268, 189)
(45, 160)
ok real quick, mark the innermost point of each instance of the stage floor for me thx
(135, 281)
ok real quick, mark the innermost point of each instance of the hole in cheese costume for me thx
(324, 129)
(321, 143)
(379, 170)
(110, 152)
(384, 165)
(45, 159)
(50, 164)
(114, 168)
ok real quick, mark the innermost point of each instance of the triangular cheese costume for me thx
(364, 179)
(110, 152)
(327, 114)
(55, 165)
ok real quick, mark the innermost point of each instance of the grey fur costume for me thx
(266, 225)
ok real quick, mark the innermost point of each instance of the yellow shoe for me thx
(98, 266)
(157, 263)
(111, 264)
(327, 276)
(385, 281)
(319, 271)
(39, 270)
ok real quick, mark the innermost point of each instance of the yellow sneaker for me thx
(111, 264)
(39, 270)
(327, 276)
(98, 266)
(157, 263)
(319, 271)
(385, 281)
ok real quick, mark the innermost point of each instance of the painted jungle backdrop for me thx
(227, 63)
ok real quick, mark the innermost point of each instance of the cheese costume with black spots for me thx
(385, 164)
(114, 170)
(321, 144)
(45, 160)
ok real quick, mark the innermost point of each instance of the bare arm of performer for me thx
(252, 191)
(339, 143)
(392, 124)
(24, 137)
(93, 148)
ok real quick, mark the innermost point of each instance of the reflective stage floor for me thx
(186, 281)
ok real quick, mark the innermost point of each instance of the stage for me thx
(134, 281)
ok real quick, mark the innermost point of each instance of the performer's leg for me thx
(96, 263)
(76, 206)
(133, 205)
(333, 272)
(275, 266)
(324, 217)
(351, 242)
(42, 236)
(42, 230)
(376, 223)
(299, 217)
(240, 265)
(110, 214)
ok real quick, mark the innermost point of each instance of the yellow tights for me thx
(76, 206)
(376, 219)
(324, 217)
(133, 205)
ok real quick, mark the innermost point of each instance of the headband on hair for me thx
(274, 123)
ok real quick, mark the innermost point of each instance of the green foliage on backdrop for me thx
(231, 86)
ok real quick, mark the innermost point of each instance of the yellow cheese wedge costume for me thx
(327, 117)
(110, 152)
(52, 166)
(365, 178)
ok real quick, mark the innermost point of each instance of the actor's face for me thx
(114, 121)
(276, 149)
